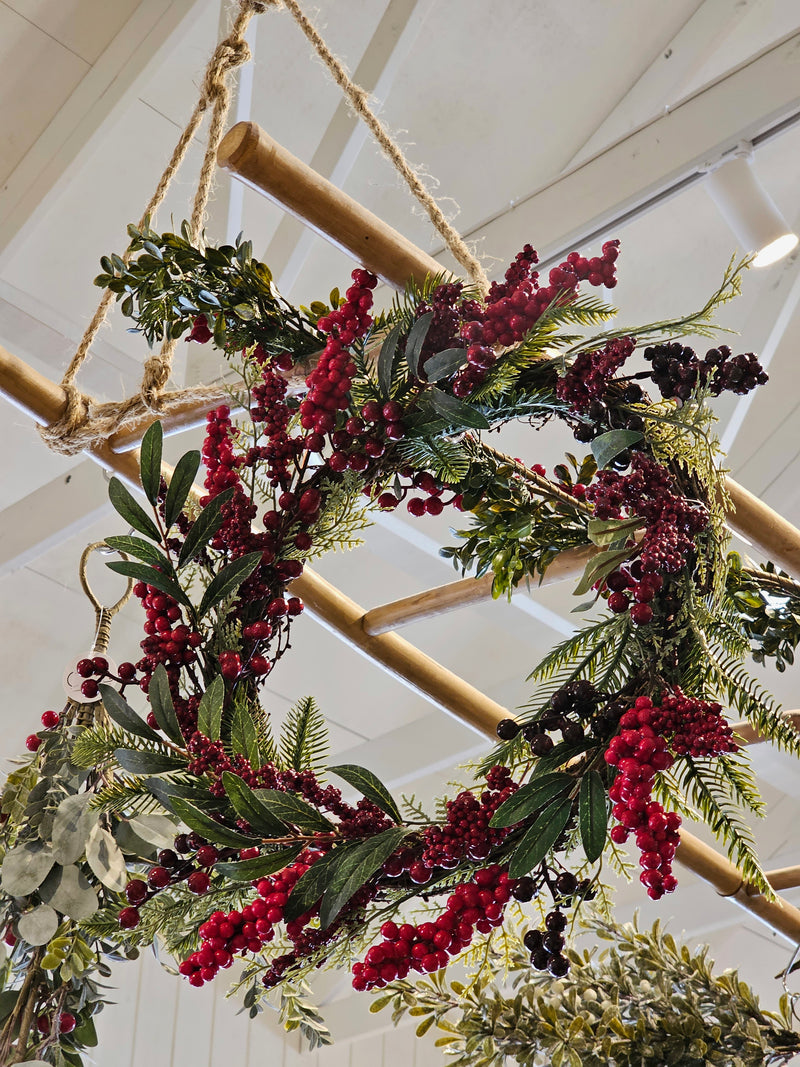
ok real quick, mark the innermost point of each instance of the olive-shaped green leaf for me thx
(370, 786)
(540, 838)
(204, 527)
(250, 806)
(123, 714)
(415, 341)
(209, 711)
(457, 412)
(291, 809)
(150, 461)
(215, 832)
(131, 511)
(530, 798)
(608, 445)
(142, 573)
(179, 486)
(137, 762)
(227, 581)
(141, 549)
(593, 815)
(160, 697)
(259, 866)
(387, 360)
(357, 865)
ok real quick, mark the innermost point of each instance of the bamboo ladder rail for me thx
(39, 398)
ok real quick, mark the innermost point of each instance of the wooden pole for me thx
(252, 156)
(38, 397)
(747, 734)
(784, 878)
(768, 531)
(459, 594)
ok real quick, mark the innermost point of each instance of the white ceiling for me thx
(499, 100)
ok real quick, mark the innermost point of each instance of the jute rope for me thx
(85, 422)
(359, 101)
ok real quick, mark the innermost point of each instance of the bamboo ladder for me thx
(253, 157)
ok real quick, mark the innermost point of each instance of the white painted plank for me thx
(83, 26)
(194, 1018)
(116, 1024)
(368, 1052)
(155, 1019)
(229, 1040)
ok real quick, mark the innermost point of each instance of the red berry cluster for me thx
(693, 727)
(218, 456)
(168, 640)
(475, 905)
(514, 307)
(449, 311)
(466, 832)
(329, 382)
(638, 753)
(170, 870)
(634, 582)
(50, 719)
(677, 371)
(268, 407)
(671, 521)
(588, 377)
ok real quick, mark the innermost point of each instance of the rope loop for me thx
(228, 55)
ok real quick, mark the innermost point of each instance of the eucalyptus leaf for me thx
(608, 445)
(250, 806)
(387, 359)
(357, 864)
(607, 531)
(227, 581)
(370, 785)
(530, 798)
(179, 486)
(209, 711)
(123, 714)
(215, 832)
(157, 830)
(68, 891)
(540, 838)
(160, 698)
(415, 341)
(593, 815)
(124, 503)
(72, 825)
(104, 856)
(38, 926)
(457, 412)
(150, 461)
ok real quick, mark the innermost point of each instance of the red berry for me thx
(207, 856)
(85, 668)
(66, 1022)
(641, 614)
(198, 882)
(129, 918)
(89, 688)
(158, 877)
(618, 602)
(136, 891)
(32, 742)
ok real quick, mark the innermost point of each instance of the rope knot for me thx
(63, 435)
(227, 56)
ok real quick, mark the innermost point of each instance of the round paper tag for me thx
(73, 681)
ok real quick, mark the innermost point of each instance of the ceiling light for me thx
(748, 209)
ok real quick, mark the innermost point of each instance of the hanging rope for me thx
(359, 100)
(85, 422)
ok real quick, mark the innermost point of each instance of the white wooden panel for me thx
(154, 1036)
(83, 26)
(230, 1036)
(266, 1044)
(27, 54)
(368, 1052)
(194, 1021)
(116, 1024)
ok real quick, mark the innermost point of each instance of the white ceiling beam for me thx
(665, 80)
(142, 44)
(50, 515)
(752, 102)
(345, 135)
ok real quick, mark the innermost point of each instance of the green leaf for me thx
(260, 866)
(204, 527)
(150, 461)
(250, 806)
(457, 412)
(72, 824)
(8, 1000)
(415, 341)
(209, 711)
(607, 531)
(131, 512)
(123, 714)
(244, 738)
(25, 868)
(291, 809)
(215, 832)
(593, 815)
(540, 838)
(151, 576)
(445, 363)
(608, 445)
(104, 856)
(530, 798)
(157, 830)
(160, 698)
(357, 864)
(310, 886)
(179, 485)
(68, 890)
(38, 926)
(135, 546)
(599, 567)
(228, 580)
(165, 791)
(370, 785)
(135, 762)
(386, 360)
(86, 1034)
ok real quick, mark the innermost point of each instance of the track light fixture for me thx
(733, 185)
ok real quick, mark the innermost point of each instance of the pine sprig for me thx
(94, 747)
(129, 795)
(304, 741)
